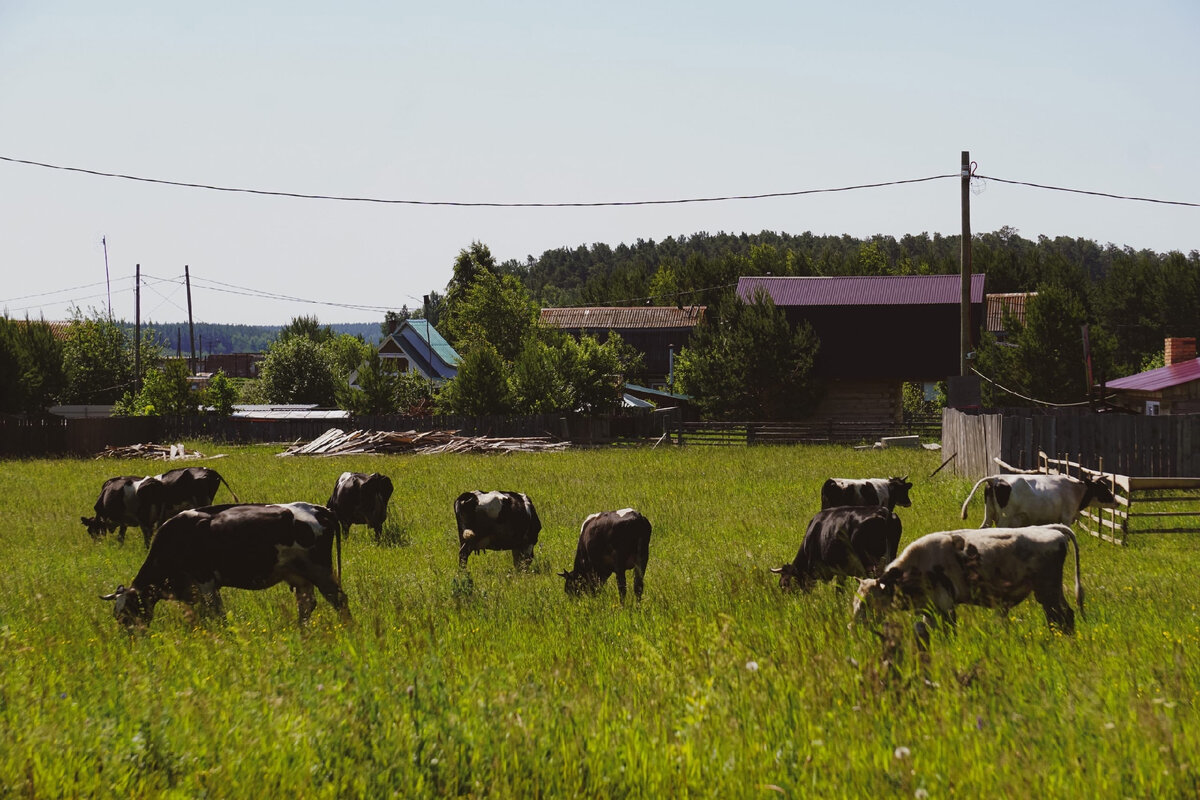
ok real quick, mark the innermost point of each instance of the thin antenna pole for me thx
(191, 330)
(104, 243)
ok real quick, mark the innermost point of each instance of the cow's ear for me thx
(958, 541)
(85, 520)
(564, 575)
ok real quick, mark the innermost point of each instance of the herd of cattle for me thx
(194, 547)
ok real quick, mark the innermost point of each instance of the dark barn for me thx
(876, 333)
(652, 330)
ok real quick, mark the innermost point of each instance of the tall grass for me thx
(489, 683)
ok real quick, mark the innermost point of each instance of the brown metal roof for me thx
(863, 290)
(623, 317)
(1012, 302)
(58, 328)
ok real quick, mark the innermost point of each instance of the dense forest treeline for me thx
(227, 338)
(1138, 296)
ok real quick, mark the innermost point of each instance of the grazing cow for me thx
(125, 502)
(887, 492)
(251, 546)
(1014, 500)
(845, 541)
(996, 567)
(610, 541)
(496, 521)
(362, 499)
(147, 502)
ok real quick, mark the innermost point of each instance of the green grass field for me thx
(491, 683)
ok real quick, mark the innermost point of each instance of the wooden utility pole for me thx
(137, 329)
(187, 278)
(964, 336)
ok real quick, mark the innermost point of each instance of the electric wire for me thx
(1024, 397)
(1085, 191)
(463, 203)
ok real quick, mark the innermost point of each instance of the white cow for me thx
(997, 567)
(1013, 500)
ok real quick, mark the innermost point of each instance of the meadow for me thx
(486, 683)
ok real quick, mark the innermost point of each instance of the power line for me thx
(1084, 191)
(244, 291)
(460, 203)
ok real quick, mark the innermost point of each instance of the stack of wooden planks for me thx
(336, 442)
(157, 452)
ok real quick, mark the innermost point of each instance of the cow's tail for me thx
(230, 488)
(967, 502)
(1078, 580)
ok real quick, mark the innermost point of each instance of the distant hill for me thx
(217, 338)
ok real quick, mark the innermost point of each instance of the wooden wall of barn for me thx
(1135, 445)
(862, 400)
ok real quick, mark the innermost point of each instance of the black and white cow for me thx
(1014, 500)
(994, 567)
(845, 541)
(496, 521)
(250, 546)
(610, 542)
(359, 498)
(147, 502)
(887, 492)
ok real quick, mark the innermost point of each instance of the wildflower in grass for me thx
(921, 794)
(752, 666)
(901, 752)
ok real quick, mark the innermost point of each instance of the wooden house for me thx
(416, 346)
(876, 333)
(657, 332)
(1173, 388)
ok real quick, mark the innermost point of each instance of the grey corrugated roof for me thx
(618, 317)
(862, 290)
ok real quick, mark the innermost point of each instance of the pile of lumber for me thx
(156, 452)
(336, 442)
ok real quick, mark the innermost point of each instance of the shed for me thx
(876, 333)
(1170, 389)
(657, 332)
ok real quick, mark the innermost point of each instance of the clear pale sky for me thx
(558, 102)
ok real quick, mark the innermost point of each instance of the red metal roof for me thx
(1161, 378)
(618, 317)
(863, 290)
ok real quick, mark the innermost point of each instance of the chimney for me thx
(1177, 350)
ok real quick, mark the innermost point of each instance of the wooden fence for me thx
(822, 432)
(1160, 447)
(1143, 505)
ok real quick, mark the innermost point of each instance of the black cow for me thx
(889, 492)
(610, 541)
(846, 541)
(496, 521)
(359, 498)
(251, 546)
(148, 502)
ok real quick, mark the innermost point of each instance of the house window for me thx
(1151, 408)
